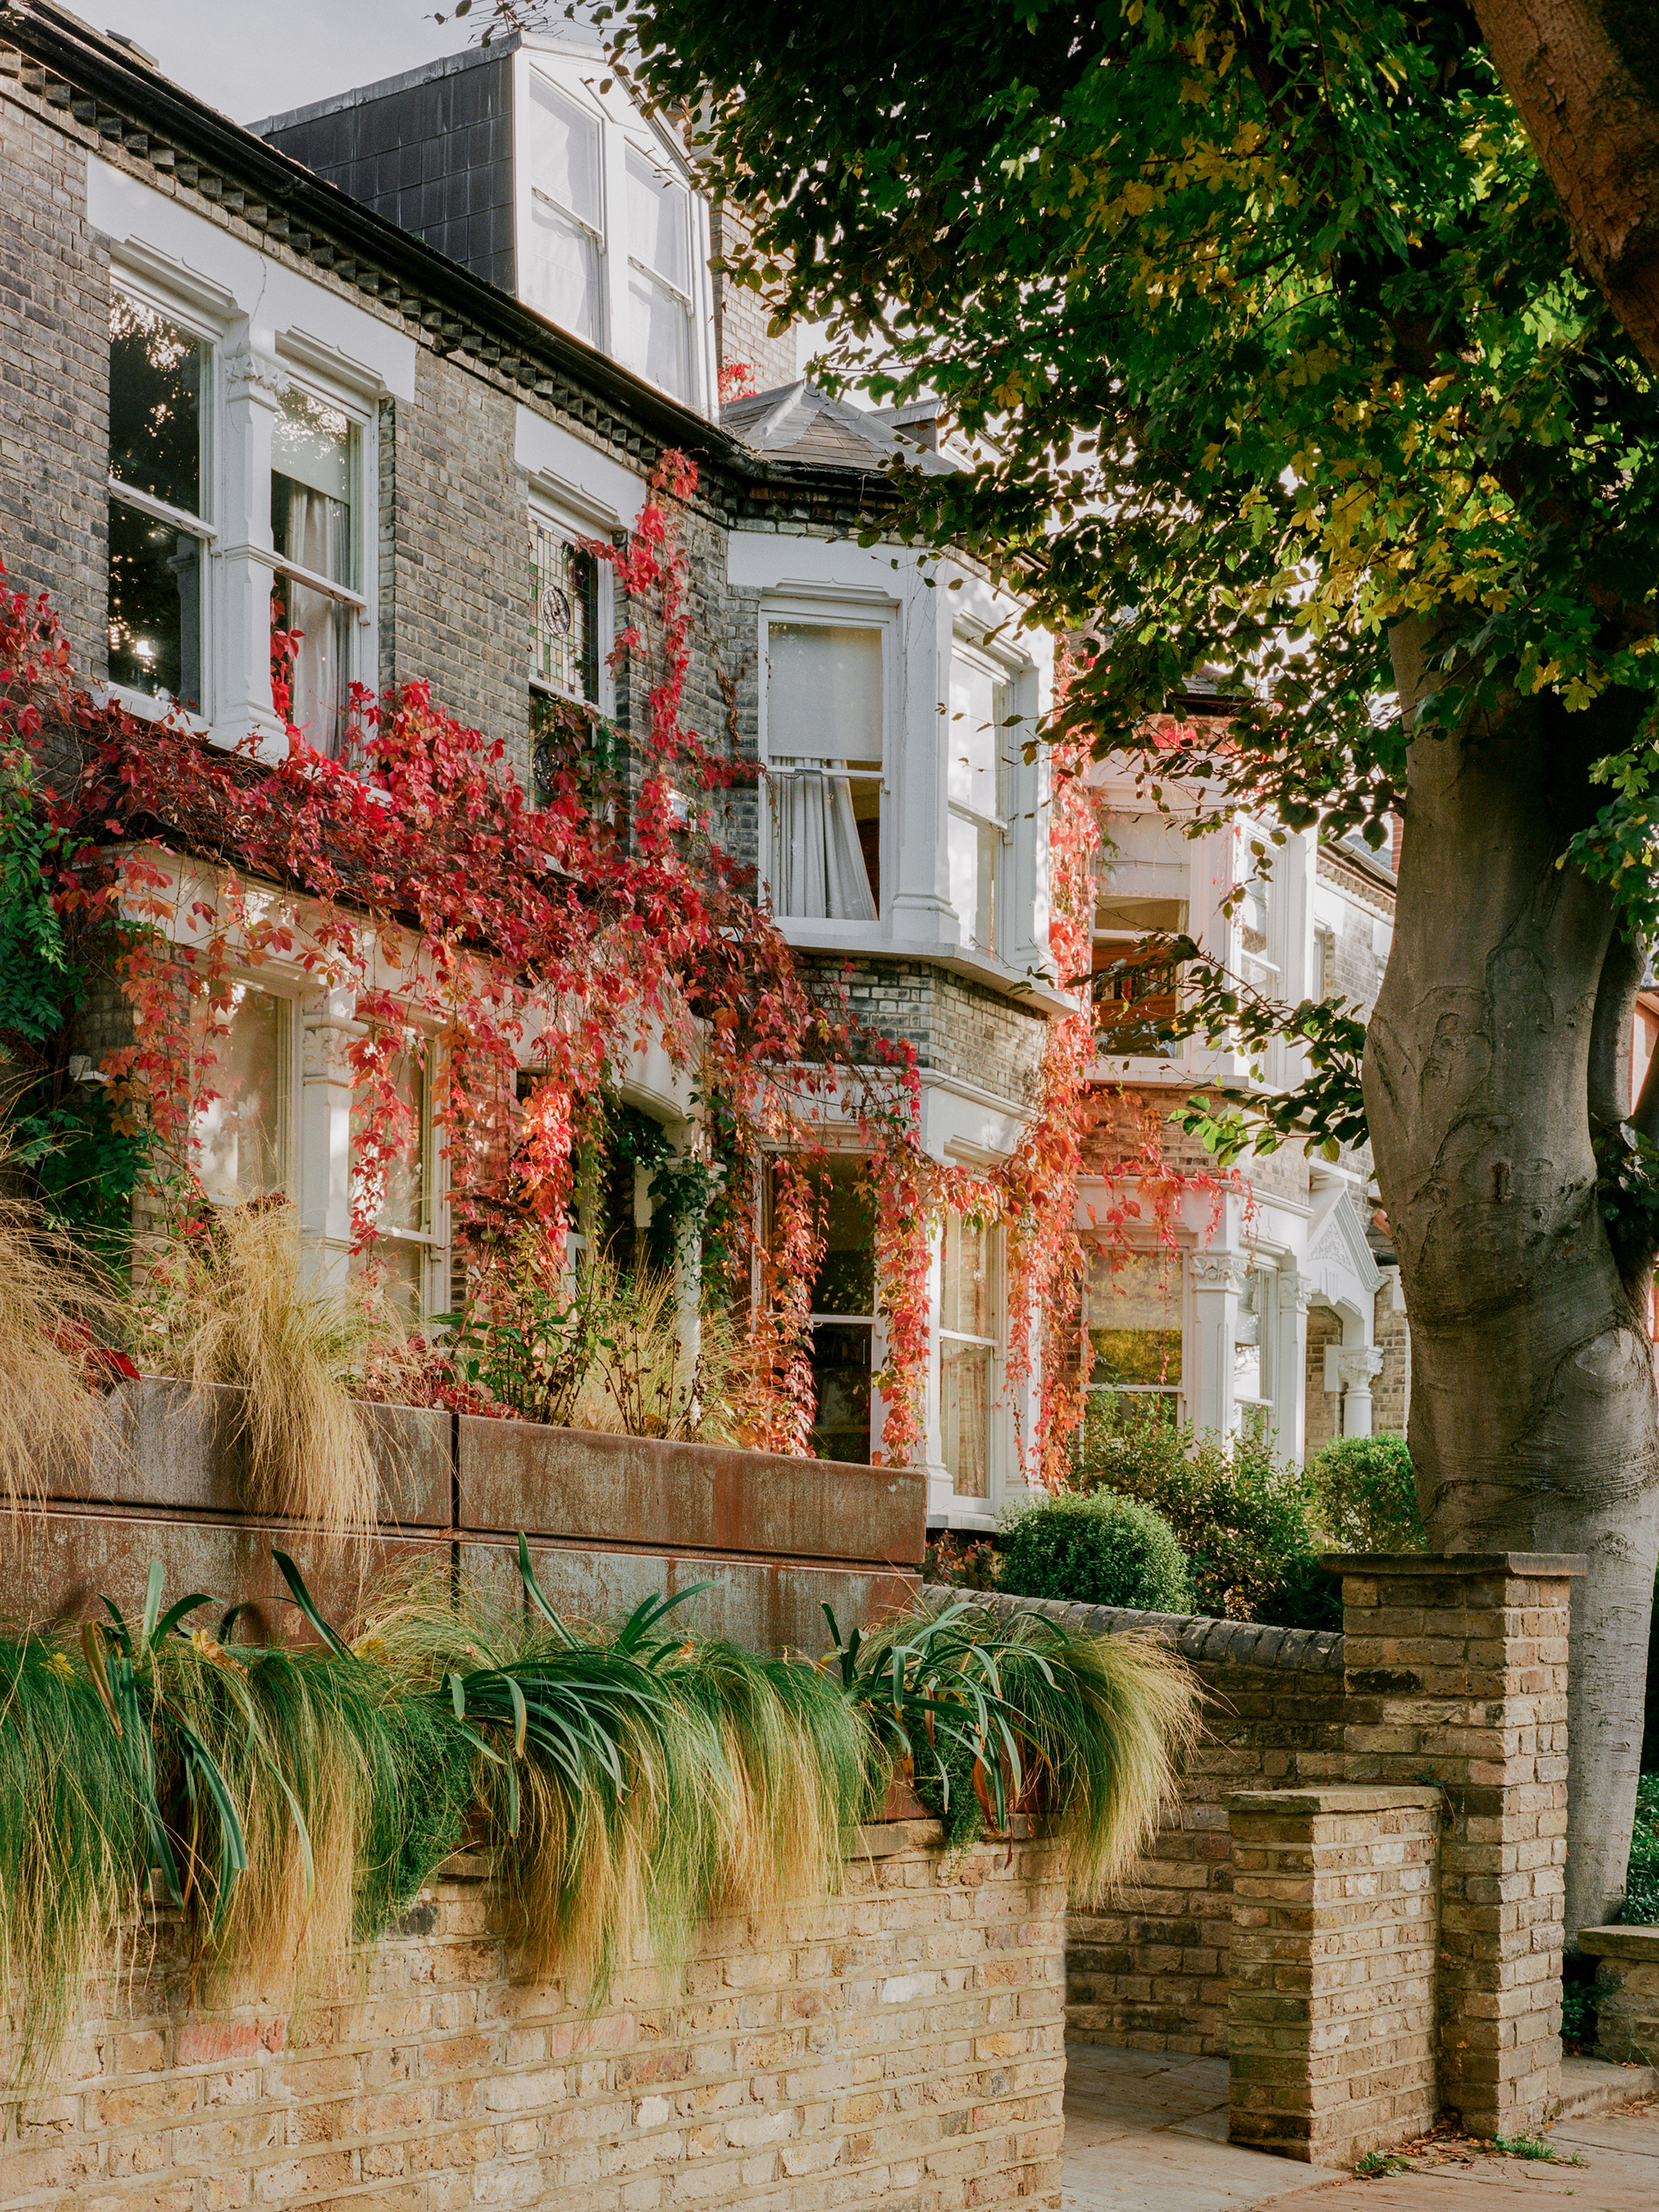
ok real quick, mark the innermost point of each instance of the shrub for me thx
(1364, 1492)
(1243, 1518)
(1098, 1550)
(1642, 1882)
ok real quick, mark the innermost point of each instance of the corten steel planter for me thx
(611, 1520)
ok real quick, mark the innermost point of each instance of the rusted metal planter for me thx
(609, 1520)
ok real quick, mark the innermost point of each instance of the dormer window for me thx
(565, 276)
(608, 250)
(658, 276)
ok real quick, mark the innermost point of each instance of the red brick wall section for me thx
(900, 2045)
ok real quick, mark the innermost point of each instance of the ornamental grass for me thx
(54, 1307)
(230, 1303)
(291, 1802)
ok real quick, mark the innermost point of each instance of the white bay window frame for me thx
(783, 770)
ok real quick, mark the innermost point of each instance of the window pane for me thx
(972, 851)
(403, 1196)
(658, 212)
(660, 338)
(157, 377)
(312, 444)
(968, 1299)
(237, 1137)
(823, 692)
(964, 1414)
(564, 152)
(563, 588)
(155, 607)
(312, 488)
(1134, 1318)
(841, 1369)
(317, 675)
(846, 1277)
(562, 279)
(975, 738)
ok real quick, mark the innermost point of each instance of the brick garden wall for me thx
(900, 2044)
(1330, 2013)
(1151, 1973)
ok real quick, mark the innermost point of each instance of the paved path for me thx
(1146, 2132)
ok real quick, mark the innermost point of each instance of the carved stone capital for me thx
(1359, 1367)
(256, 376)
(1217, 1271)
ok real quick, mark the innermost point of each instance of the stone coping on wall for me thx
(1640, 1945)
(610, 1521)
(1340, 1798)
(1526, 1566)
(1228, 1643)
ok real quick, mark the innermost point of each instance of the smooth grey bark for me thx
(1533, 1424)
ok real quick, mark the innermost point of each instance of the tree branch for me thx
(1584, 75)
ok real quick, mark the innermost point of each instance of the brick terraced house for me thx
(400, 361)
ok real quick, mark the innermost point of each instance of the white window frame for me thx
(1005, 680)
(1264, 1405)
(1176, 1391)
(431, 1238)
(185, 309)
(558, 514)
(996, 1416)
(363, 415)
(288, 1082)
(577, 78)
(829, 611)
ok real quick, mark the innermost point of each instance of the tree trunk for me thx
(1584, 75)
(1533, 1419)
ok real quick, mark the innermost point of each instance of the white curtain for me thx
(820, 872)
(318, 671)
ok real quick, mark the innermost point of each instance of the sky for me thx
(253, 59)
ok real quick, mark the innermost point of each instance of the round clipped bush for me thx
(1364, 1492)
(1098, 1550)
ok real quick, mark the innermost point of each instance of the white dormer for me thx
(527, 162)
(611, 241)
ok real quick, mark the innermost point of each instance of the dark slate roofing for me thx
(799, 422)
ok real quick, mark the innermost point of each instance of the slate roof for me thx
(799, 422)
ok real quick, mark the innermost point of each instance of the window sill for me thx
(872, 940)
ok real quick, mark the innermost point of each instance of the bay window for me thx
(1132, 1314)
(314, 531)
(824, 738)
(242, 1059)
(969, 1346)
(160, 526)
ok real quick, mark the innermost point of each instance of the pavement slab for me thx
(1147, 2133)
